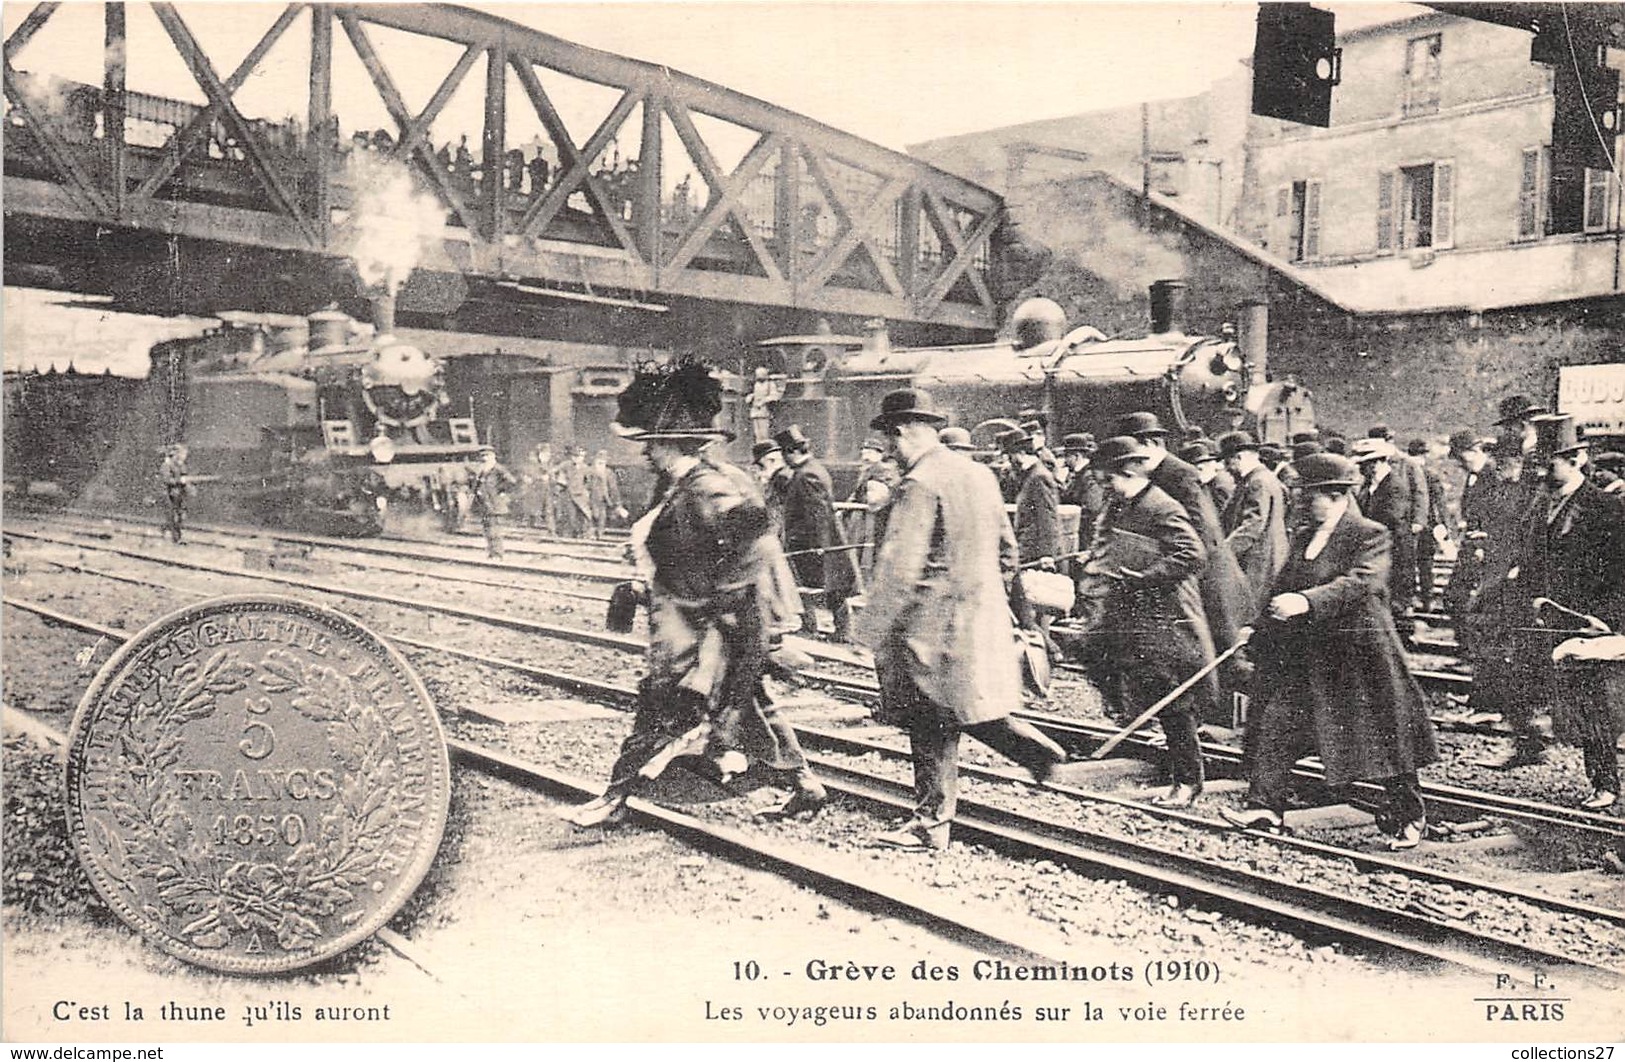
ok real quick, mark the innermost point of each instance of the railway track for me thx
(1417, 929)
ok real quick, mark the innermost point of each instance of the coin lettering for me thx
(256, 783)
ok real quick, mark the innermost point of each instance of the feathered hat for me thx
(676, 400)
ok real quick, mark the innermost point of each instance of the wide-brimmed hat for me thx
(678, 400)
(1514, 408)
(761, 450)
(1556, 434)
(1015, 441)
(792, 439)
(904, 405)
(1371, 449)
(1119, 450)
(1079, 442)
(1138, 424)
(956, 439)
(1233, 442)
(1326, 470)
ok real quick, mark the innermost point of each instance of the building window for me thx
(1416, 207)
(1529, 195)
(1577, 200)
(1299, 203)
(1422, 75)
(1596, 200)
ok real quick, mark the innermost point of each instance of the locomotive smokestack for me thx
(1253, 338)
(876, 340)
(1167, 306)
(383, 314)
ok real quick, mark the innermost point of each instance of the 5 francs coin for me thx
(256, 784)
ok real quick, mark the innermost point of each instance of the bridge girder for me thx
(897, 238)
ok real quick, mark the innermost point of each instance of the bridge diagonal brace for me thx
(577, 169)
(391, 96)
(203, 71)
(80, 182)
(185, 142)
(965, 248)
(725, 193)
(860, 228)
(418, 129)
(30, 26)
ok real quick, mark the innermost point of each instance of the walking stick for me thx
(1173, 695)
(1591, 622)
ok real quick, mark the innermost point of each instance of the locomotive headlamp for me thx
(1226, 362)
(382, 448)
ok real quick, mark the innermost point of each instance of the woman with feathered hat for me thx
(711, 555)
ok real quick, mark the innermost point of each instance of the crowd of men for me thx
(1197, 565)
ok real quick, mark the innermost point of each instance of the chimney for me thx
(1167, 307)
(383, 314)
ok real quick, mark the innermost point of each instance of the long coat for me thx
(1154, 634)
(1576, 556)
(1038, 515)
(1255, 529)
(1341, 663)
(937, 616)
(809, 524)
(1226, 598)
(1480, 500)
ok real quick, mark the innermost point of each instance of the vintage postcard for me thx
(813, 522)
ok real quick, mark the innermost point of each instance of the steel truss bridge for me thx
(807, 217)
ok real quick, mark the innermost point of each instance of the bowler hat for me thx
(1326, 470)
(1271, 452)
(1371, 449)
(1514, 408)
(1015, 441)
(1118, 450)
(955, 439)
(1555, 434)
(1197, 452)
(761, 450)
(1232, 443)
(792, 439)
(1138, 424)
(1310, 436)
(906, 404)
(1466, 439)
(1038, 416)
(1308, 448)
(1416, 447)
(1380, 431)
(1335, 444)
(1079, 442)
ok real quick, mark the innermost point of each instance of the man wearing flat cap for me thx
(1037, 523)
(1082, 487)
(1255, 520)
(938, 618)
(1225, 596)
(812, 537)
(1572, 572)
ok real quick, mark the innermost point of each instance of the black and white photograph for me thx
(813, 523)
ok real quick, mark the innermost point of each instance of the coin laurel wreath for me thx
(219, 896)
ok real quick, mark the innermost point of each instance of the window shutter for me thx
(1311, 220)
(1596, 201)
(1529, 196)
(1386, 180)
(1444, 205)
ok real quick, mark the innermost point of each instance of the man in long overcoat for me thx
(1226, 599)
(1468, 449)
(603, 493)
(578, 494)
(1255, 520)
(1154, 634)
(812, 537)
(1387, 496)
(1331, 675)
(938, 621)
(1037, 523)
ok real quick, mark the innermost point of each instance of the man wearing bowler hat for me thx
(812, 538)
(1255, 520)
(1572, 571)
(1082, 487)
(938, 619)
(1225, 596)
(1202, 454)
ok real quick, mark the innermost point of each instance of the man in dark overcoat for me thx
(1331, 676)
(1154, 634)
(1203, 455)
(1226, 600)
(1573, 556)
(1037, 523)
(177, 485)
(1255, 520)
(812, 537)
(1427, 539)
(1388, 498)
(487, 481)
(1479, 485)
(938, 621)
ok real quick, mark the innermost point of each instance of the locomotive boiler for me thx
(1082, 378)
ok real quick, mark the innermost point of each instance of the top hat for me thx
(1514, 408)
(1138, 424)
(1556, 434)
(1371, 449)
(1326, 470)
(792, 439)
(1197, 452)
(1232, 443)
(761, 450)
(1466, 439)
(904, 405)
(1307, 448)
(1118, 450)
(1079, 442)
(1380, 431)
(956, 439)
(679, 400)
(1037, 416)
(1015, 441)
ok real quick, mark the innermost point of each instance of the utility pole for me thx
(1145, 166)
